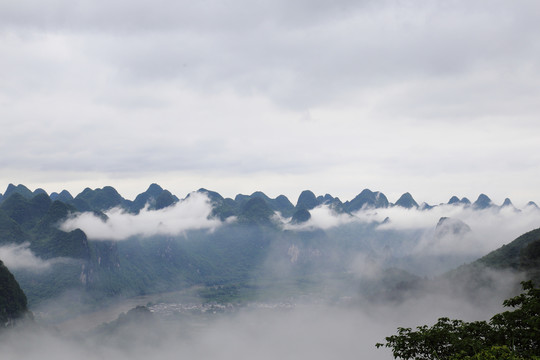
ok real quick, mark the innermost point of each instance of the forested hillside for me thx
(12, 299)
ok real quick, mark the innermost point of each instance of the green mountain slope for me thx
(13, 303)
(510, 256)
(520, 257)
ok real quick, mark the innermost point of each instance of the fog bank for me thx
(304, 332)
(192, 213)
(20, 257)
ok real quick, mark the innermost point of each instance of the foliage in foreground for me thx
(508, 335)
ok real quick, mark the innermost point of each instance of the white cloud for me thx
(322, 217)
(20, 257)
(192, 213)
(413, 230)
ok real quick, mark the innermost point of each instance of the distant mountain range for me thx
(156, 197)
(251, 249)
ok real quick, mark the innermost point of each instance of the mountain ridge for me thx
(13, 302)
(232, 253)
(101, 199)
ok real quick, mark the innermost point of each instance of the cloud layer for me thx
(193, 213)
(490, 228)
(20, 257)
(272, 95)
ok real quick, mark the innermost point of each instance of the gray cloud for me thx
(399, 94)
(298, 55)
(140, 16)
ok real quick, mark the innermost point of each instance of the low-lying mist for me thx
(307, 333)
(489, 228)
(21, 257)
(333, 318)
(309, 329)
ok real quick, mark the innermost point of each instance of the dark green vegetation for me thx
(12, 299)
(33, 221)
(516, 255)
(512, 334)
(520, 256)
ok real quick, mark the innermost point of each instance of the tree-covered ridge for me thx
(512, 254)
(521, 255)
(35, 220)
(33, 224)
(512, 334)
(13, 303)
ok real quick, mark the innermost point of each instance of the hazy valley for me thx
(204, 275)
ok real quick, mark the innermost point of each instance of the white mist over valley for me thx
(315, 279)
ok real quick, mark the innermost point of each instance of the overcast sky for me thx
(437, 98)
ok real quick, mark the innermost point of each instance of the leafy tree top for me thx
(514, 333)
